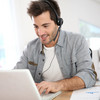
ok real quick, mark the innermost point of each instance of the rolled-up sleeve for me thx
(84, 62)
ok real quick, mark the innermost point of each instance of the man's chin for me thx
(45, 43)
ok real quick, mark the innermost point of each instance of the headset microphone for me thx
(57, 33)
(59, 21)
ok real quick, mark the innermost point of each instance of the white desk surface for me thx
(92, 93)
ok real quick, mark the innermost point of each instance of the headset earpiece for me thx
(59, 21)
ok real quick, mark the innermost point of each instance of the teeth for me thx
(44, 36)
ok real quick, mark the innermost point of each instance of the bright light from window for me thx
(8, 49)
(91, 33)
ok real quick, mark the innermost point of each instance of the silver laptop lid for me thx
(17, 85)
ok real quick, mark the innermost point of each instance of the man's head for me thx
(45, 20)
(38, 7)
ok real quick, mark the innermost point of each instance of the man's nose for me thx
(40, 31)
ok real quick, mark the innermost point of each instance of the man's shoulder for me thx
(34, 44)
(73, 39)
(71, 36)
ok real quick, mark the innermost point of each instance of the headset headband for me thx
(59, 21)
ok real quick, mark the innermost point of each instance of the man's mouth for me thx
(43, 37)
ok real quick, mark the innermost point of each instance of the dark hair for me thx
(38, 7)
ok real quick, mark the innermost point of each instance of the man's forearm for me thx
(73, 83)
(66, 84)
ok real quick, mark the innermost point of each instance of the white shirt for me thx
(51, 69)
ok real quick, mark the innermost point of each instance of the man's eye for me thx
(45, 26)
(35, 26)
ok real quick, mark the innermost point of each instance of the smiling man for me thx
(58, 60)
(46, 29)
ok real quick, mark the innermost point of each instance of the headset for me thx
(59, 21)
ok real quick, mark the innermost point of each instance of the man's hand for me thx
(48, 87)
(73, 83)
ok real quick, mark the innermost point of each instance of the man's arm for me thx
(73, 83)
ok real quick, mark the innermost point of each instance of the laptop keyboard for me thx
(49, 96)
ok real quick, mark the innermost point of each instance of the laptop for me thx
(18, 84)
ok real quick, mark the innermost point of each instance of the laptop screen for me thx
(17, 85)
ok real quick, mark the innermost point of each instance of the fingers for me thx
(47, 91)
(42, 87)
(47, 87)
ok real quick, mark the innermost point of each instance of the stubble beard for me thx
(52, 36)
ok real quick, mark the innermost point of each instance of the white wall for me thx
(71, 11)
(23, 23)
(75, 10)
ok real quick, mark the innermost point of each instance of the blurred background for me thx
(16, 27)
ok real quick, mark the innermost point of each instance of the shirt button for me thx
(39, 73)
(43, 60)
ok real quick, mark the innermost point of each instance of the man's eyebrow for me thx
(42, 24)
(45, 24)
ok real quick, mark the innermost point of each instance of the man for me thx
(58, 60)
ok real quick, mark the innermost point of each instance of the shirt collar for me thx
(41, 48)
(61, 38)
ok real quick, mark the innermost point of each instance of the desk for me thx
(66, 95)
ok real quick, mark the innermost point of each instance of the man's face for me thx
(45, 28)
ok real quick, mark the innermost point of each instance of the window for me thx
(2, 50)
(91, 33)
(8, 36)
